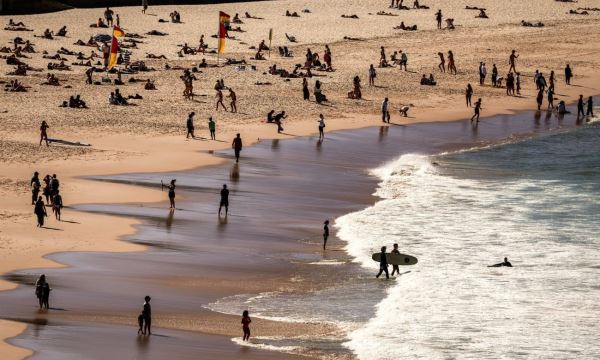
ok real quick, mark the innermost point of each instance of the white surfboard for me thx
(396, 259)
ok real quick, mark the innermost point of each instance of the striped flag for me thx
(223, 27)
(114, 46)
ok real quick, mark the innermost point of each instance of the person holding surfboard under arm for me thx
(383, 264)
(395, 268)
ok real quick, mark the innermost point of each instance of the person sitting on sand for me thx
(259, 56)
(15, 86)
(382, 59)
(175, 17)
(416, 5)
(428, 81)
(504, 263)
(201, 45)
(149, 85)
(154, 56)
(21, 70)
(482, 14)
(236, 19)
(52, 80)
(99, 24)
(356, 93)
(47, 34)
(62, 31)
(406, 28)
(294, 14)
(319, 96)
(353, 16)
(262, 46)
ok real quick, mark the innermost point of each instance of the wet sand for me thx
(282, 190)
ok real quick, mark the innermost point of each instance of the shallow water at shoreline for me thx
(281, 193)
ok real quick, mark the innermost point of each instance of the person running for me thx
(590, 107)
(325, 233)
(383, 264)
(171, 188)
(40, 211)
(442, 65)
(580, 107)
(477, 111)
(512, 61)
(469, 94)
(395, 268)
(385, 112)
(224, 200)
(190, 126)
(504, 263)
(39, 289)
(451, 65)
(147, 312)
(568, 74)
(438, 18)
(237, 147)
(212, 127)
(220, 100)
(57, 204)
(372, 75)
(321, 127)
(44, 132)
(233, 102)
(35, 187)
(246, 325)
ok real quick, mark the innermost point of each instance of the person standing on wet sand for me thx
(568, 74)
(39, 289)
(540, 98)
(147, 312)
(469, 94)
(321, 127)
(305, 91)
(512, 61)
(171, 188)
(40, 211)
(590, 107)
(212, 127)
(35, 187)
(246, 325)
(144, 6)
(44, 132)
(580, 107)
(237, 147)
(325, 233)
(385, 112)
(395, 268)
(224, 200)
(477, 111)
(190, 126)
(383, 264)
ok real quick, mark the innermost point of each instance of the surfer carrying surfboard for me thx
(395, 268)
(383, 264)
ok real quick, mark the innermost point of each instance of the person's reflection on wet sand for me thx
(547, 119)
(170, 218)
(383, 131)
(319, 145)
(234, 174)
(142, 344)
(475, 131)
(537, 116)
(275, 144)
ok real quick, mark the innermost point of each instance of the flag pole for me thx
(270, 39)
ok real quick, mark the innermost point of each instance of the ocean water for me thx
(535, 201)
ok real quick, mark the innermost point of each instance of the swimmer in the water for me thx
(505, 263)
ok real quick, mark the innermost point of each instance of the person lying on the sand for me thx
(12, 23)
(66, 51)
(54, 57)
(236, 29)
(291, 38)
(82, 63)
(15, 86)
(62, 31)
(17, 28)
(482, 14)
(92, 56)
(474, 8)
(12, 60)
(349, 38)
(428, 81)
(28, 48)
(5, 50)
(18, 53)
(156, 33)
(99, 24)
(154, 56)
(589, 8)
(353, 16)
(230, 61)
(52, 80)
(21, 70)
(528, 24)
(386, 13)
(149, 85)
(60, 66)
(294, 14)
(575, 12)
(416, 5)
(248, 16)
(406, 28)
(504, 263)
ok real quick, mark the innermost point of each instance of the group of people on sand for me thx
(191, 128)
(51, 192)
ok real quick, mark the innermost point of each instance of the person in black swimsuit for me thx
(171, 188)
(383, 264)
(224, 200)
(325, 233)
(505, 263)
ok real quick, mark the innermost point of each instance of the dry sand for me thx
(150, 136)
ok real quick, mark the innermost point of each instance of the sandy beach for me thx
(150, 136)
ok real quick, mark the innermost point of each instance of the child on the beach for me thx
(141, 323)
(246, 325)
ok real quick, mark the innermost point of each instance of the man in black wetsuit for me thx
(580, 107)
(383, 264)
(237, 147)
(224, 200)
(505, 263)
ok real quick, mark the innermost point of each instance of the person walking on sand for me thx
(451, 65)
(469, 94)
(171, 188)
(383, 264)
(190, 126)
(147, 312)
(237, 147)
(540, 98)
(385, 111)
(568, 74)
(325, 233)
(108, 14)
(212, 127)
(512, 61)
(35, 187)
(144, 6)
(372, 75)
(477, 111)
(224, 200)
(233, 98)
(246, 325)
(550, 99)
(395, 268)
(57, 204)
(44, 132)
(39, 289)
(220, 99)
(321, 127)
(438, 18)
(442, 65)
(590, 107)
(580, 107)
(40, 211)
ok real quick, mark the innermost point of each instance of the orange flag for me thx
(223, 27)
(114, 46)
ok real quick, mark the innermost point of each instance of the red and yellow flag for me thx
(223, 27)
(114, 46)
